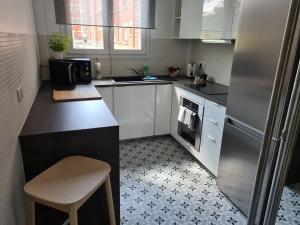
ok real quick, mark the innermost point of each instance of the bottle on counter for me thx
(201, 77)
(145, 70)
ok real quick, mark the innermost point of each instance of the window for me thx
(87, 37)
(125, 40)
(125, 4)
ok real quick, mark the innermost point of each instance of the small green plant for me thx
(59, 42)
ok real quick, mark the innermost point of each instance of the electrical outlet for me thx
(20, 93)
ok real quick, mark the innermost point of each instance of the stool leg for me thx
(110, 203)
(73, 216)
(30, 212)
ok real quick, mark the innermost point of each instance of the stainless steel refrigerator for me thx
(256, 57)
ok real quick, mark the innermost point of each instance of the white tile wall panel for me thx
(162, 54)
(18, 66)
(217, 57)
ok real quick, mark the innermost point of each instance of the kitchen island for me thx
(53, 131)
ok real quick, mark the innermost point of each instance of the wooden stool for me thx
(67, 185)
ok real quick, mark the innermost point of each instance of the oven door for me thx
(192, 135)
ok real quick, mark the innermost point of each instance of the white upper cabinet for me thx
(206, 19)
(236, 19)
(190, 22)
(217, 19)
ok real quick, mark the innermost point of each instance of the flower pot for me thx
(58, 55)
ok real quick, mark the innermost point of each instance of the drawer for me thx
(214, 111)
(213, 129)
(211, 140)
(210, 152)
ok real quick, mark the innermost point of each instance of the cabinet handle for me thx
(213, 121)
(211, 138)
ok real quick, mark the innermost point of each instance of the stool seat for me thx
(68, 184)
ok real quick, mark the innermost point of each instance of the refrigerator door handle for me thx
(244, 128)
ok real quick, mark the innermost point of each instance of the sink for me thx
(127, 79)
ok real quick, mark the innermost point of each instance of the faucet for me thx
(139, 73)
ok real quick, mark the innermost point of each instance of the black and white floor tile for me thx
(161, 184)
(289, 210)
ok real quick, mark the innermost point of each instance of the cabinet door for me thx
(236, 19)
(134, 108)
(107, 94)
(191, 14)
(163, 109)
(175, 111)
(212, 132)
(217, 19)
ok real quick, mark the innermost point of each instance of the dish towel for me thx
(191, 125)
(181, 114)
(188, 117)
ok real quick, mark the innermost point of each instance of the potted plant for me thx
(59, 43)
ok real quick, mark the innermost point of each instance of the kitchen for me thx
(185, 108)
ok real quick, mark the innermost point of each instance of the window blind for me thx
(106, 13)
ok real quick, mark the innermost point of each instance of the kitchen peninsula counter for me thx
(53, 131)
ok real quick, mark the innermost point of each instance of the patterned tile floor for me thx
(289, 210)
(163, 185)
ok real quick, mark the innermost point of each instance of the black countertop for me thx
(48, 117)
(180, 81)
(221, 99)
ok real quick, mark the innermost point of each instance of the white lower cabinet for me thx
(175, 111)
(134, 109)
(212, 132)
(107, 94)
(163, 109)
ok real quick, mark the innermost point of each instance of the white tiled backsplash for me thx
(217, 58)
(162, 53)
(19, 68)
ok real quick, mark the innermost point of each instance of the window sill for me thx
(94, 54)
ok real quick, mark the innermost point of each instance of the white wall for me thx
(16, 16)
(217, 57)
(19, 66)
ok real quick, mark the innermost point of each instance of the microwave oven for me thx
(70, 71)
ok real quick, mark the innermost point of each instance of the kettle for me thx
(191, 70)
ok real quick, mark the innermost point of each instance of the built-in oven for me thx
(191, 134)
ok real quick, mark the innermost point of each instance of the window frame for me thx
(142, 51)
(91, 51)
(108, 38)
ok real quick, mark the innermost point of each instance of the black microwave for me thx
(70, 71)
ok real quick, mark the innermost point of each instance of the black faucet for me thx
(139, 73)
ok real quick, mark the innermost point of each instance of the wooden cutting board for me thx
(79, 93)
